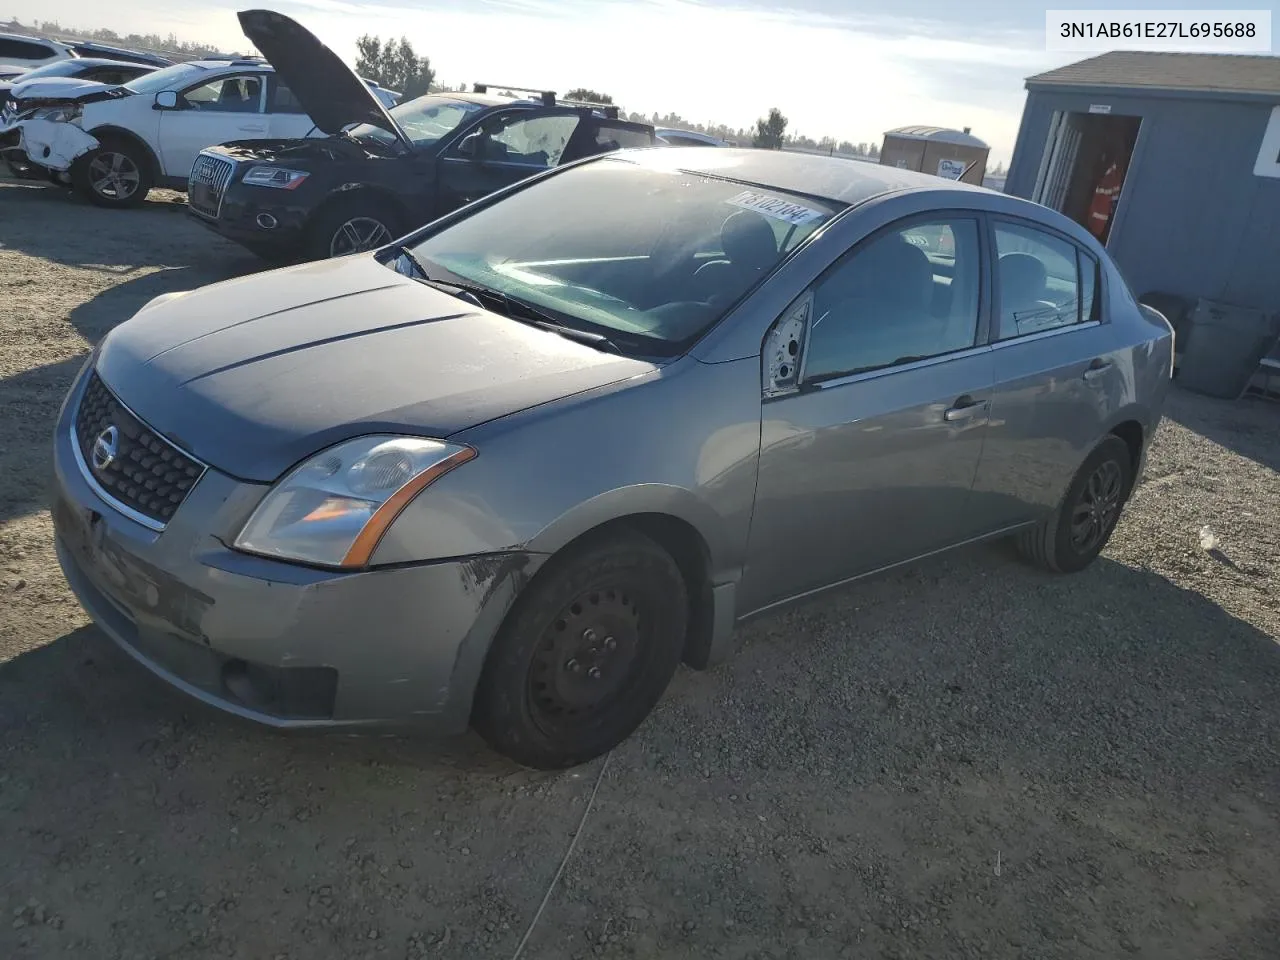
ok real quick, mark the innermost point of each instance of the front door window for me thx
(537, 141)
(908, 295)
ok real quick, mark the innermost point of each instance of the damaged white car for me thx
(114, 143)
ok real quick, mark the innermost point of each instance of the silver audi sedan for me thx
(510, 471)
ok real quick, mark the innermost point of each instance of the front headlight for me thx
(279, 177)
(64, 113)
(334, 509)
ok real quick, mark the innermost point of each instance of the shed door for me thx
(1060, 152)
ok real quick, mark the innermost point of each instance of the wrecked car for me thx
(113, 143)
(56, 80)
(510, 470)
(379, 173)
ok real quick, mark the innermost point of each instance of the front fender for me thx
(643, 498)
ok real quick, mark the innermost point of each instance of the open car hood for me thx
(329, 90)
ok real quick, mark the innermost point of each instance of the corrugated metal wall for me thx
(1193, 218)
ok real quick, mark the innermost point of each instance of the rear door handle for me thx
(964, 408)
(252, 128)
(1096, 369)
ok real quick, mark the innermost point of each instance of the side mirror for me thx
(166, 100)
(470, 146)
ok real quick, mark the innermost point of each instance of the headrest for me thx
(1022, 280)
(748, 240)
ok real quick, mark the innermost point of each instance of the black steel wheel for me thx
(1097, 508)
(1073, 537)
(585, 653)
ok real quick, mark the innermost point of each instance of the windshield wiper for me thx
(487, 298)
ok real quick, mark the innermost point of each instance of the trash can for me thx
(1224, 347)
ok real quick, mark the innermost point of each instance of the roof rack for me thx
(608, 109)
(548, 97)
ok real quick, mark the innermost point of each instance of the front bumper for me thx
(276, 643)
(52, 144)
(258, 218)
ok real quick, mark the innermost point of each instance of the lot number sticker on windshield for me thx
(775, 207)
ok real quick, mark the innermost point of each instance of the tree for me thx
(770, 131)
(588, 96)
(394, 65)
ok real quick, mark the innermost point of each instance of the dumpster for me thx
(1224, 346)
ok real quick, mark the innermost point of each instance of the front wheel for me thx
(117, 174)
(585, 654)
(352, 226)
(1073, 537)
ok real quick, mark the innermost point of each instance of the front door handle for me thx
(1096, 369)
(964, 408)
(253, 129)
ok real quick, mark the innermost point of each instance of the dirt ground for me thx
(966, 759)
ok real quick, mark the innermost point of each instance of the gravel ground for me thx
(966, 759)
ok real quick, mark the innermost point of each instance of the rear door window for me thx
(24, 50)
(282, 100)
(1037, 281)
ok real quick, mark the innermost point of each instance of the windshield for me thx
(424, 120)
(649, 258)
(169, 78)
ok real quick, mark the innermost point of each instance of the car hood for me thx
(61, 88)
(253, 375)
(329, 90)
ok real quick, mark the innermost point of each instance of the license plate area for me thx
(203, 199)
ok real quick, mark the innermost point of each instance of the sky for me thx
(842, 68)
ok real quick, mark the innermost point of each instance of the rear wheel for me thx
(1073, 537)
(352, 226)
(585, 654)
(117, 174)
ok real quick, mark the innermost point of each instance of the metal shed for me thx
(954, 154)
(1188, 143)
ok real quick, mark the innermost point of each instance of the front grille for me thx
(208, 182)
(147, 474)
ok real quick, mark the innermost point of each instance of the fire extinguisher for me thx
(1105, 195)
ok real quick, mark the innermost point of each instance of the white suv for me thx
(31, 52)
(115, 143)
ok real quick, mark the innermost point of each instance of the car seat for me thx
(875, 309)
(1024, 294)
(750, 248)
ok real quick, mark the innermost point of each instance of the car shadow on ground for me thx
(965, 759)
(1247, 426)
(105, 240)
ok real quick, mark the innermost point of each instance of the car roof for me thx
(108, 62)
(224, 63)
(23, 36)
(830, 178)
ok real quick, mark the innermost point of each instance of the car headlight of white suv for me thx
(63, 113)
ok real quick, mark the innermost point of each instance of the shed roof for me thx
(1210, 72)
(937, 134)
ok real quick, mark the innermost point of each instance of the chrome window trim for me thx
(840, 381)
(1044, 334)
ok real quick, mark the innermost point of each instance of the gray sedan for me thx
(512, 470)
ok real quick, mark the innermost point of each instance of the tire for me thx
(372, 223)
(117, 174)
(1105, 480)
(618, 606)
